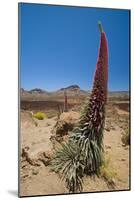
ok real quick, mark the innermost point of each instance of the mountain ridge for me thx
(70, 87)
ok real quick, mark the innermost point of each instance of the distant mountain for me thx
(37, 90)
(72, 91)
(34, 94)
(71, 87)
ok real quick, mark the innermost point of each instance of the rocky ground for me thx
(39, 138)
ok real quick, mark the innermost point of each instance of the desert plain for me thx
(39, 139)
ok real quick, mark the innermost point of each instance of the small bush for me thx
(126, 137)
(39, 115)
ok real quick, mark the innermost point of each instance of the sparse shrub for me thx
(126, 137)
(39, 115)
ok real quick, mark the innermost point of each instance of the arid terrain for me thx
(40, 138)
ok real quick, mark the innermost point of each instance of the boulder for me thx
(66, 123)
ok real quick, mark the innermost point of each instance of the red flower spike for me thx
(99, 93)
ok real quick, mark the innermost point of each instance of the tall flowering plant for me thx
(83, 154)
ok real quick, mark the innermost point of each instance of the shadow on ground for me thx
(13, 192)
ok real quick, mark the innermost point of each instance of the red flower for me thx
(99, 93)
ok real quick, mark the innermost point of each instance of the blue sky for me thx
(59, 46)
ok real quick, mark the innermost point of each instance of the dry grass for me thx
(107, 173)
